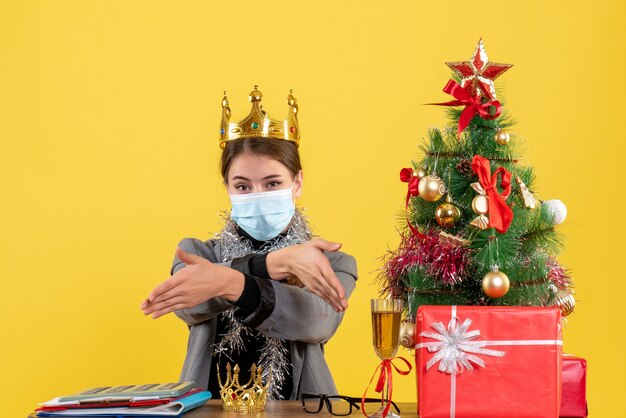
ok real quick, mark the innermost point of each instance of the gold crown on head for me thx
(258, 124)
(250, 397)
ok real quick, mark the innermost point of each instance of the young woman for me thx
(263, 291)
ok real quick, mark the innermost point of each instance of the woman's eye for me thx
(242, 187)
(273, 184)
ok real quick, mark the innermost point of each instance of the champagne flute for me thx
(386, 318)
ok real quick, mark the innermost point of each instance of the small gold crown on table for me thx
(250, 397)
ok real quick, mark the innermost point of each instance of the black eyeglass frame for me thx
(325, 400)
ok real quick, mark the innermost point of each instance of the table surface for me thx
(281, 409)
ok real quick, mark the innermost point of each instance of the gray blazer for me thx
(287, 312)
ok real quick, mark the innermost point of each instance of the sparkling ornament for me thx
(502, 137)
(557, 209)
(529, 200)
(431, 188)
(478, 73)
(564, 300)
(495, 283)
(407, 334)
(447, 214)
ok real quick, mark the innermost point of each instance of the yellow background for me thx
(109, 113)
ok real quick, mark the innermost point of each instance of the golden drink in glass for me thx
(386, 318)
(386, 333)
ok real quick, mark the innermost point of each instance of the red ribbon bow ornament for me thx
(407, 176)
(500, 214)
(473, 105)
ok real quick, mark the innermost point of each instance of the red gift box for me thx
(574, 399)
(488, 362)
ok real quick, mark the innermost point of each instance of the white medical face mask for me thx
(263, 215)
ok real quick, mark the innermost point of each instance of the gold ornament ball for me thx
(431, 188)
(502, 137)
(447, 214)
(495, 284)
(480, 204)
(407, 334)
(565, 301)
(420, 173)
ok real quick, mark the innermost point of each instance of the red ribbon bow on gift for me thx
(473, 105)
(500, 214)
(385, 377)
(406, 176)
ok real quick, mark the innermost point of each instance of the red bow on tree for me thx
(406, 176)
(500, 214)
(473, 105)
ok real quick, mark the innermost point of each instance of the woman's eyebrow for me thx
(271, 176)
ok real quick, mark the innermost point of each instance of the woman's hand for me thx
(198, 281)
(309, 264)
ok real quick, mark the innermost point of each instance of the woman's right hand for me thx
(198, 281)
(309, 264)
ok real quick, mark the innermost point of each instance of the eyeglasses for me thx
(336, 404)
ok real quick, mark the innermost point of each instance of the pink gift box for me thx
(574, 394)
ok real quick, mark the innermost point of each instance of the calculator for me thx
(158, 390)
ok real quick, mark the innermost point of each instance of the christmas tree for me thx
(475, 233)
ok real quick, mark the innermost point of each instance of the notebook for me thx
(171, 409)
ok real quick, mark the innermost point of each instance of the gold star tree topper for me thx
(477, 74)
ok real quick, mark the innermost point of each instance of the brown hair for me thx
(280, 150)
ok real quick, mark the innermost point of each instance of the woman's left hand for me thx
(198, 281)
(308, 263)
